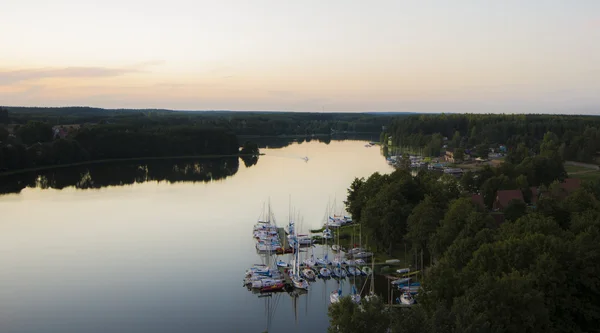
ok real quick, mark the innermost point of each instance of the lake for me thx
(162, 246)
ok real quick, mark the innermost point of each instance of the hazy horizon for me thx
(310, 56)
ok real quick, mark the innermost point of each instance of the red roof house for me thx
(504, 197)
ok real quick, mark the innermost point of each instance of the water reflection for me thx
(125, 173)
(168, 256)
(275, 142)
(94, 176)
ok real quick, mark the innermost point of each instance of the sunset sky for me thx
(332, 55)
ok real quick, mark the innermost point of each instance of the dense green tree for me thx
(4, 119)
(459, 154)
(346, 316)
(468, 182)
(423, 222)
(523, 185)
(491, 187)
(3, 134)
(250, 148)
(34, 132)
(361, 191)
(571, 137)
(516, 156)
(515, 209)
(404, 162)
(538, 271)
(549, 145)
(455, 141)
(434, 146)
(482, 150)
(450, 226)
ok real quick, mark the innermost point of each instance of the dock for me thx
(286, 278)
(283, 237)
(398, 305)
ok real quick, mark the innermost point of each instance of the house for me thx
(449, 157)
(498, 217)
(565, 188)
(477, 199)
(570, 185)
(504, 197)
(59, 132)
(535, 193)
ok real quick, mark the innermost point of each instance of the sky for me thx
(511, 56)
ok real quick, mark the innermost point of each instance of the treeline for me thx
(241, 123)
(538, 270)
(37, 144)
(578, 137)
(52, 136)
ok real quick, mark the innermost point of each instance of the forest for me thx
(535, 269)
(239, 122)
(34, 137)
(577, 137)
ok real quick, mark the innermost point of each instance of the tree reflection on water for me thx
(96, 176)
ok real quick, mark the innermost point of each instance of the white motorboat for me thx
(403, 270)
(407, 299)
(304, 240)
(335, 247)
(411, 289)
(281, 263)
(400, 281)
(349, 262)
(265, 283)
(363, 255)
(310, 262)
(335, 295)
(358, 262)
(355, 250)
(259, 271)
(323, 261)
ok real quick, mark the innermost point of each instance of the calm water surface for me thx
(167, 250)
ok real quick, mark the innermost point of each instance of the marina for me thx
(276, 275)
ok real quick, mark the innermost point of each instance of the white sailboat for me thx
(297, 281)
(324, 272)
(371, 274)
(355, 296)
(335, 295)
(309, 274)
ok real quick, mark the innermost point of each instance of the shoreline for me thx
(110, 160)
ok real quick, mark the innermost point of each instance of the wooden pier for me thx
(286, 278)
(283, 238)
